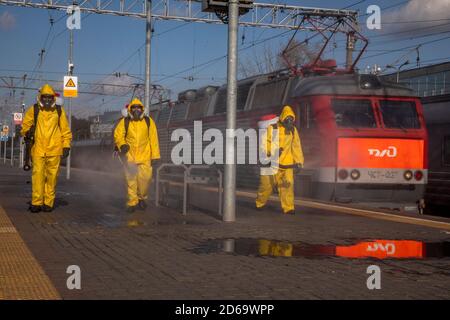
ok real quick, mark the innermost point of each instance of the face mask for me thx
(288, 123)
(136, 112)
(47, 101)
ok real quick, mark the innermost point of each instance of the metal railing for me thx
(11, 152)
(194, 174)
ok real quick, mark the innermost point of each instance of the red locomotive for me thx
(364, 139)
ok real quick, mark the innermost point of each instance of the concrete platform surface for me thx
(160, 254)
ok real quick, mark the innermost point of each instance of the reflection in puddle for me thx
(379, 249)
(49, 220)
(71, 193)
(133, 223)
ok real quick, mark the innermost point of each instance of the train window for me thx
(242, 94)
(164, 115)
(307, 119)
(353, 113)
(399, 114)
(197, 108)
(221, 101)
(269, 94)
(446, 82)
(178, 112)
(446, 151)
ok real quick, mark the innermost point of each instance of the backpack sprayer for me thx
(29, 141)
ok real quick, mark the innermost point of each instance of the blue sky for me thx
(107, 44)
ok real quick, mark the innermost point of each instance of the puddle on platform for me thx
(72, 194)
(378, 249)
(133, 223)
(110, 220)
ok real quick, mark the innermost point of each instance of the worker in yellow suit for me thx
(45, 124)
(283, 139)
(136, 138)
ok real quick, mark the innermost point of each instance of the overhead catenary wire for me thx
(388, 7)
(84, 83)
(203, 66)
(42, 50)
(215, 60)
(408, 47)
(354, 4)
(36, 89)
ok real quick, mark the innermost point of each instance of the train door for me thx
(305, 124)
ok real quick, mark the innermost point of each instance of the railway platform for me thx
(161, 254)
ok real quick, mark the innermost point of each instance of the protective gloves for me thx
(66, 152)
(124, 149)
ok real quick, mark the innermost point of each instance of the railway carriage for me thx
(364, 139)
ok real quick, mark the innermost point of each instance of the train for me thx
(364, 139)
(437, 116)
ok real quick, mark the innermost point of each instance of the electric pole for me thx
(148, 53)
(69, 102)
(229, 212)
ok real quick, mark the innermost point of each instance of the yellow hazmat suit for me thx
(275, 249)
(144, 147)
(52, 134)
(290, 155)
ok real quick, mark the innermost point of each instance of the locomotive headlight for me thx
(408, 175)
(343, 174)
(355, 174)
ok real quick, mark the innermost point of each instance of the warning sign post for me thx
(18, 118)
(70, 87)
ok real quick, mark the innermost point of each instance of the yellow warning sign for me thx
(70, 94)
(70, 84)
(70, 87)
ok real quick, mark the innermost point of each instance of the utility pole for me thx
(389, 66)
(12, 147)
(229, 212)
(69, 102)
(148, 43)
(21, 146)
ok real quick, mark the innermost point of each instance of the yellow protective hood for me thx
(287, 111)
(46, 90)
(133, 102)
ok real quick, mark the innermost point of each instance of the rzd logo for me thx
(390, 152)
(389, 248)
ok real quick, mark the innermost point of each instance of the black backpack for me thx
(126, 123)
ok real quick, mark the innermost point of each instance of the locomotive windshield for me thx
(354, 113)
(399, 114)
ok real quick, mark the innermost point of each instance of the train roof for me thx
(348, 84)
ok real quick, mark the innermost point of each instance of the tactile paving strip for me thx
(21, 276)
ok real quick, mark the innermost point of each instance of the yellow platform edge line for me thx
(359, 212)
(346, 210)
(21, 275)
